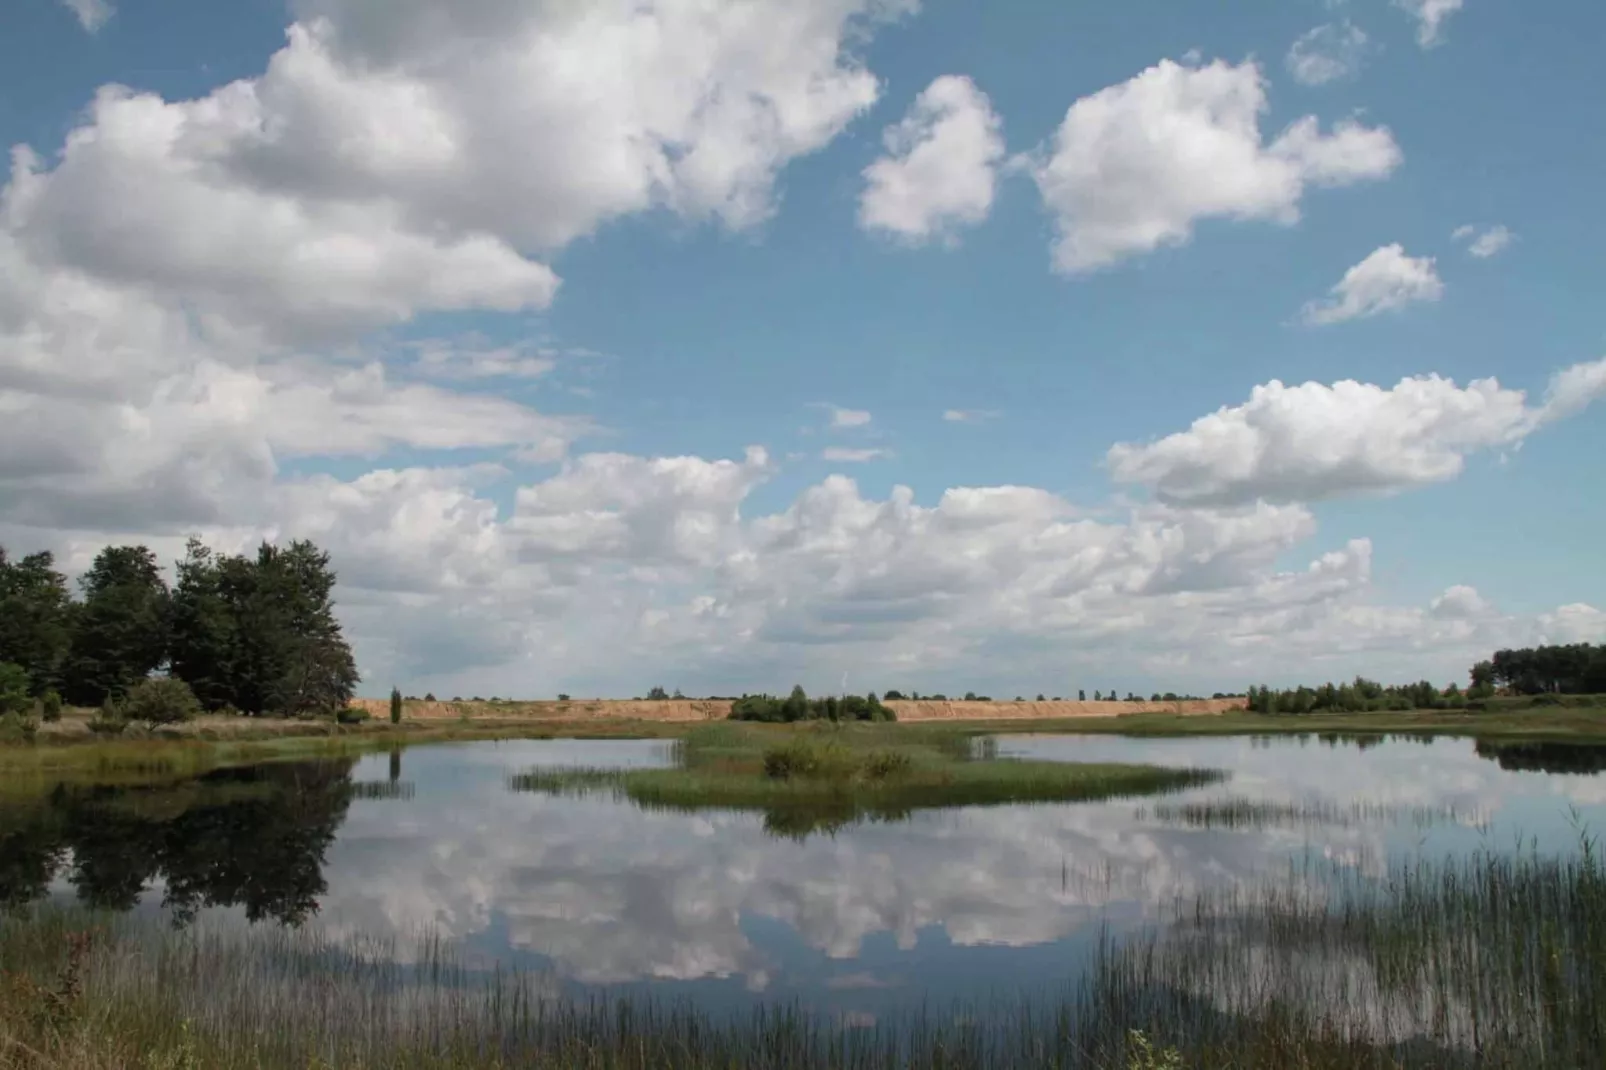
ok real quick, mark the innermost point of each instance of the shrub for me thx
(802, 758)
(160, 700)
(562, 697)
(15, 728)
(50, 706)
(395, 705)
(883, 764)
(14, 689)
(354, 715)
(429, 696)
(110, 720)
(791, 760)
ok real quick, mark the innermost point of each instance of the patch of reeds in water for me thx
(1258, 814)
(383, 789)
(1492, 960)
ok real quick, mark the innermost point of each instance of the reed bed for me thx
(1258, 814)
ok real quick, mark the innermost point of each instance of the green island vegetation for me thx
(1485, 961)
(828, 775)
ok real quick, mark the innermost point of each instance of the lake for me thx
(968, 904)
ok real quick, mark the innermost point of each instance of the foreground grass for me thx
(824, 776)
(1485, 962)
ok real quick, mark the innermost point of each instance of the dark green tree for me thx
(202, 636)
(36, 612)
(120, 634)
(395, 705)
(14, 689)
(292, 658)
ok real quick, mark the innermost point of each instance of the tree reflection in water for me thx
(1546, 757)
(253, 838)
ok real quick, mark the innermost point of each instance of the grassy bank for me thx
(1516, 720)
(817, 776)
(145, 758)
(1486, 962)
(69, 752)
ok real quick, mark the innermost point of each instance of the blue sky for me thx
(712, 310)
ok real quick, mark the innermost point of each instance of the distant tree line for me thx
(1358, 696)
(1573, 669)
(799, 707)
(256, 634)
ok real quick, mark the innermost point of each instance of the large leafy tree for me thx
(36, 616)
(120, 633)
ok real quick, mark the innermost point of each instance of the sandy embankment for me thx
(704, 710)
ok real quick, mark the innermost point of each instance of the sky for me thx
(724, 345)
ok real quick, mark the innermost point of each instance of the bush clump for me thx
(161, 700)
(14, 696)
(111, 720)
(881, 765)
(799, 707)
(351, 715)
(50, 706)
(15, 728)
(802, 759)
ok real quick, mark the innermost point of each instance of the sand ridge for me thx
(713, 710)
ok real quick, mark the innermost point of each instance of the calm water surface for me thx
(965, 903)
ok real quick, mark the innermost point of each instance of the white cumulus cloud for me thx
(841, 418)
(91, 14)
(1134, 166)
(848, 455)
(940, 166)
(1314, 441)
(1386, 280)
(1486, 244)
(1327, 53)
(1430, 16)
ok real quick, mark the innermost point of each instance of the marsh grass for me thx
(826, 777)
(1489, 961)
(1492, 960)
(1258, 814)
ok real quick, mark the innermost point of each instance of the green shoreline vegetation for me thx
(828, 775)
(1486, 961)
